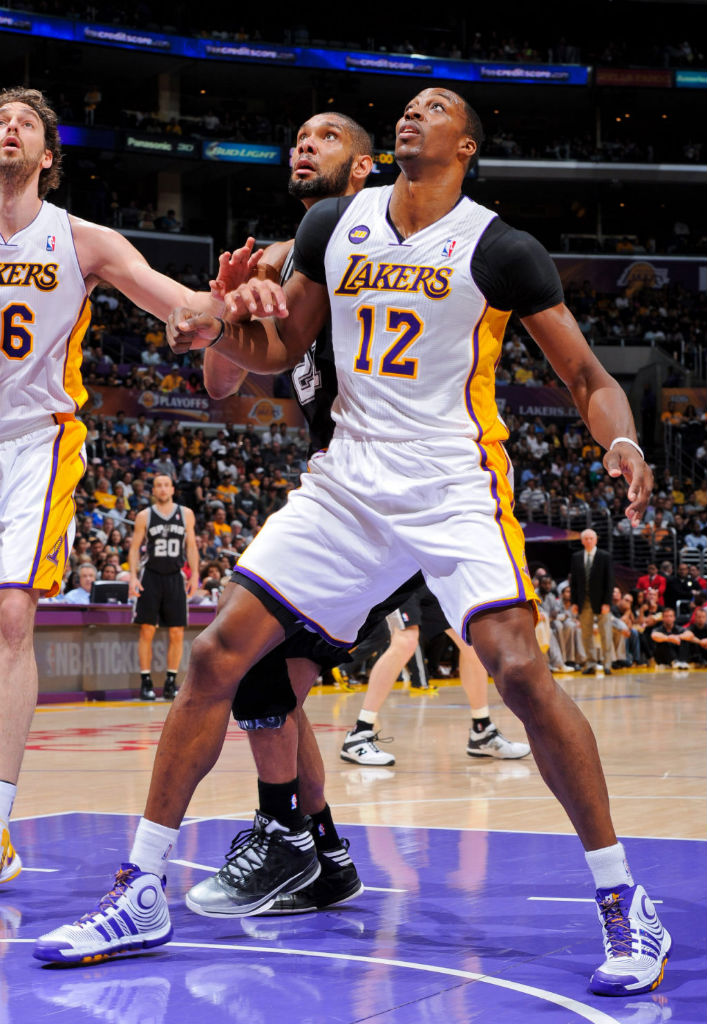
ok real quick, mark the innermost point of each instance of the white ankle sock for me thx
(7, 799)
(152, 846)
(609, 867)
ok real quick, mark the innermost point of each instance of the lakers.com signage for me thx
(241, 152)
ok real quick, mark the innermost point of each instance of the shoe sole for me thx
(497, 757)
(236, 910)
(601, 988)
(367, 764)
(56, 954)
(274, 911)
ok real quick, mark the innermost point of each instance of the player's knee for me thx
(213, 667)
(405, 641)
(16, 620)
(522, 677)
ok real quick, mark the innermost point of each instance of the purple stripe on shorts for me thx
(290, 607)
(506, 602)
(47, 502)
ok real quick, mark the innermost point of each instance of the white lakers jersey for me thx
(44, 313)
(416, 344)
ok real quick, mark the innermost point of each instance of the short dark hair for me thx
(473, 127)
(362, 141)
(49, 177)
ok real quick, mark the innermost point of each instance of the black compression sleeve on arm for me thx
(514, 271)
(313, 237)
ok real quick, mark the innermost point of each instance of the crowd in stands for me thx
(235, 479)
(660, 621)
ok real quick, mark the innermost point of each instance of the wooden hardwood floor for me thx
(650, 727)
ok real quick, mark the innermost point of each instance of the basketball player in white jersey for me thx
(49, 262)
(420, 283)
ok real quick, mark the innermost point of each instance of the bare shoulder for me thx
(141, 517)
(189, 517)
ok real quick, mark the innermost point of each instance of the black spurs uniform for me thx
(163, 600)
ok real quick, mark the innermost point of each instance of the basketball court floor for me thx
(478, 904)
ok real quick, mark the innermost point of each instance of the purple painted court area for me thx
(456, 927)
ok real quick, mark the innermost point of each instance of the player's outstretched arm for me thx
(105, 255)
(599, 398)
(285, 325)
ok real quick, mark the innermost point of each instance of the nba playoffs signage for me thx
(241, 152)
(247, 410)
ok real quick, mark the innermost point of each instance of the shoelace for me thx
(122, 880)
(377, 738)
(618, 929)
(247, 853)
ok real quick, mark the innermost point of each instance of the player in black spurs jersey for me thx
(167, 529)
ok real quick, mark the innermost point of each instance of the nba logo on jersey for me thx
(51, 243)
(448, 247)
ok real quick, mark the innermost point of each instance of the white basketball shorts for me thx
(369, 514)
(38, 476)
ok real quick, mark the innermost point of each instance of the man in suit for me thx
(592, 580)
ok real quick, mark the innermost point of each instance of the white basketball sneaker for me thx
(133, 915)
(361, 748)
(492, 743)
(635, 942)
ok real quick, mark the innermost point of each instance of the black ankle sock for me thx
(362, 726)
(145, 679)
(479, 724)
(281, 801)
(324, 830)
(170, 679)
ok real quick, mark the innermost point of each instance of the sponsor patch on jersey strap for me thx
(41, 275)
(363, 274)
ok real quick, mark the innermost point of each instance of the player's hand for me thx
(625, 461)
(605, 609)
(192, 587)
(135, 588)
(188, 330)
(234, 268)
(258, 297)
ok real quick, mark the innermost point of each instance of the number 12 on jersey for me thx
(408, 327)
